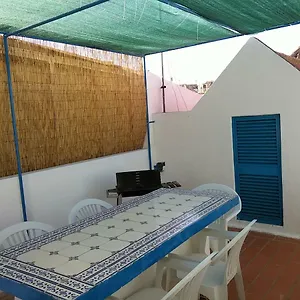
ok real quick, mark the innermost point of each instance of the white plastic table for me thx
(95, 257)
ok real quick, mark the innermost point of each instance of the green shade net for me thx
(141, 27)
(247, 16)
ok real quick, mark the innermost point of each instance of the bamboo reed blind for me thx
(68, 107)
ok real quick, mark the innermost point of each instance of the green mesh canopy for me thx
(247, 16)
(141, 27)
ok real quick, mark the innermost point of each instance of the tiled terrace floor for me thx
(271, 268)
(6, 297)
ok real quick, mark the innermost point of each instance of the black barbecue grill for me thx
(138, 183)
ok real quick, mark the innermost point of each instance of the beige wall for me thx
(197, 145)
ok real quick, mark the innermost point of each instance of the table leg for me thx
(222, 241)
(119, 199)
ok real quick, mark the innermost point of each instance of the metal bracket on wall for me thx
(160, 166)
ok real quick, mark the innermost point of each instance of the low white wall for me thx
(51, 193)
(197, 146)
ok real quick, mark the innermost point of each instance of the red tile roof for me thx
(292, 60)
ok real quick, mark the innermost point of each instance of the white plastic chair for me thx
(186, 289)
(222, 223)
(87, 208)
(220, 273)
(221, 187)
(21, 232)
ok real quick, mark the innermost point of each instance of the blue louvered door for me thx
(257, 162)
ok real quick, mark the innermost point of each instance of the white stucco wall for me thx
(197, 145)
(51, 193)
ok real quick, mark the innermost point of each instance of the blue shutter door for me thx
(257, 163)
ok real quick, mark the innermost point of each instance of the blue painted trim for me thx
(111, 285)
(21, 291)
(278, 137)
(259, 169)
(147, 116)
(14, 124)
(235, 160)
(66, 14)
(190, 11)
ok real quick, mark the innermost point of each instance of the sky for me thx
(201, 63)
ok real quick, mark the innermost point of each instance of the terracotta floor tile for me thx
(232, 294)
(284, 284)
(285, 253)
(272, 271)
(252, 253)
(296, 255)
(259, 243)
(249, 239)
(271, 248)
(247, 256)
(288, 247)
(271, 268)
(248, 242)
(250, 273)
(259, 261)
(261, 286)
(262, 235)
(286, 239)
(295, 296)
(251, 296)
(234, 229)
(6, 297)
(295, 293)
(275, 295)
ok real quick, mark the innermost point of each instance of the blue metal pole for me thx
(14, 124)
(147, 116)
(66, 14)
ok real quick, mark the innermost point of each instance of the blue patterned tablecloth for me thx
(95, 257)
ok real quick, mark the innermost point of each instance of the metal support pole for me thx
(14, 124)
(147, 116)
(163, 83)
